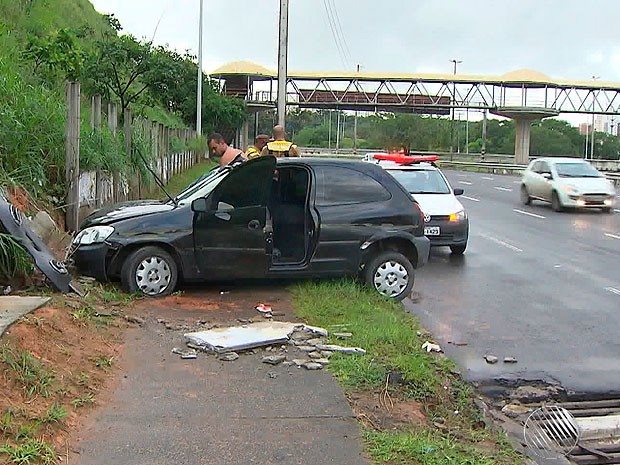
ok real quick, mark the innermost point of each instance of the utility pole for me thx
(455, 62)
(282, 62)
(199, 88)
(594, 78)
(355, 124)
(483, 150)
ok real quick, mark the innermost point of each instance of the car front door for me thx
(231, 231)
(546, 184)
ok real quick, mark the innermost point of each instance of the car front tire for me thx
(150, 271)
(391, 274)
(556, 203)
(525, 196)
(458, 249)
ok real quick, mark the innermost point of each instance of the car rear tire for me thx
(391, 274)
(150, 271)
(458, 249)
(555, 202)
(525, 196)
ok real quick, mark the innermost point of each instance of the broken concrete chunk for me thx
(315, 354)
(342, 335)
(312, 366)
(490, 359)
(300, 361)
(315, 330)
(315, 341)
(135, 319)
(229, 356)
(431, 347)
(274, 359)
(186, 354)
(510, 360)
(272, 375)
(306, 348)
(326, 354)
(322, 361)
(343, 350)
(515, 410)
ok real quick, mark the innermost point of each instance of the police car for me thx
(446, 222)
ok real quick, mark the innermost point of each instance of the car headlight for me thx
(570, 190)
(458, 216)
(93, 235)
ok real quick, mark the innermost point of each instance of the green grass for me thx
(103, 362)
(55, 414)
(30, 372)
(178, 182)
(14, 260)
(29, 451)
(378, 325)
(427, 448)
(84, 400)
(389, 335)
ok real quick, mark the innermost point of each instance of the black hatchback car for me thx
(290, 217)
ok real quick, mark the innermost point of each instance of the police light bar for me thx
(405, 159)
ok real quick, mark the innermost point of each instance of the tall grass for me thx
(14, 260)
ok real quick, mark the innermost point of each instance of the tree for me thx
(57, 53)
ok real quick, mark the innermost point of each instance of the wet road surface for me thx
(534, 284)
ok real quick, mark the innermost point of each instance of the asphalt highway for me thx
(540, 286)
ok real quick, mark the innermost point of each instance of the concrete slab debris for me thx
(342, 350)
(229, 357)
(13, 308)
(185, 354)
(313, 366)
(490, 359)
(243, 337)
(274, 359)
(510, 360)
(343, 335)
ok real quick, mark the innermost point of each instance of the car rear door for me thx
(231, 237)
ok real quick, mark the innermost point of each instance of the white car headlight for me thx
(93, 235)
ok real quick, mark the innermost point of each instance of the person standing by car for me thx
(280, 147)
(255, 150)
(219, 148)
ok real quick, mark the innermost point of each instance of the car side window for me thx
(338, 186)
(244, 188)
(536, 166)
(544, 167)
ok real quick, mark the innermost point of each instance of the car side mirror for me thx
(200, 205)
(547, 176)
(223, 211)
(458, 191)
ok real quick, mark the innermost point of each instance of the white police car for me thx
(446, 222)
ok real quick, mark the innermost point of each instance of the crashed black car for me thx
(262, 218)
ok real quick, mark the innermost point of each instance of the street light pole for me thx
(594, 78)
(199, 84)
(455, 62)
(282, 62)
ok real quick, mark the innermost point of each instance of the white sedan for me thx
(567, 183)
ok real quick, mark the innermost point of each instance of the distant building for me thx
(585, 128)
(601, 124)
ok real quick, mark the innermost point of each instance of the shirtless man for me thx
(219, 148)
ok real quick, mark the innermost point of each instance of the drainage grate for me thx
(551, 430)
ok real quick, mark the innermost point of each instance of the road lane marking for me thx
(487, 178)
(529, 214)
(505, 189)
(613, 236)
(516, 182)
(502, 243)
(467, 183)
(462, 175)
(470, 198)
(613, 290)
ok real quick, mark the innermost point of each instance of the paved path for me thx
(193, 412)
(13, 308)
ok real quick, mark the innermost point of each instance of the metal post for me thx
(455, 62)
(355, 124)
(329, 131)
(338, 131)
(483, 150)
(72, 154)
(467, 130)
(594, 78)
(199, 84)
(282, 62)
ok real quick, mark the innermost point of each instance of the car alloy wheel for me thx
(150, 271)
(153, 275)
(391, 274)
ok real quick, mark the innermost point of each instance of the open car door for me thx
(232, 234)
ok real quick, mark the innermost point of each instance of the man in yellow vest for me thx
(255, 150)
(279, 146)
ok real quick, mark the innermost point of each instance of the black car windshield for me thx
(576, 170)
(421, 181)
(203, 185)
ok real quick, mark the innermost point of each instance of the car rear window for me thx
(421, 181)
(338, 186)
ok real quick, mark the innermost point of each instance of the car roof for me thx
(319, 161)
(416, 167)
(561, 160)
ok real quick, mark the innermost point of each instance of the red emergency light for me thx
(401, 158)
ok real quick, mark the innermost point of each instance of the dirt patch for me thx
(387, 412)
(54, 364)
(20, 198)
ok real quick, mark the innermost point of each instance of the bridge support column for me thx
(523, 117)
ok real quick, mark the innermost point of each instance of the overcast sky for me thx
(572, 39)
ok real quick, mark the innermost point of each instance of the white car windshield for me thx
(421, 181)
(576, 170)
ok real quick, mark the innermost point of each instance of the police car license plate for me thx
(432, 231)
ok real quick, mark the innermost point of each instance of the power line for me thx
(334, 34)
(339, 28)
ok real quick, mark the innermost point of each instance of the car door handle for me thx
(254, 224)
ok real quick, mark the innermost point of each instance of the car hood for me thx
(438, 204)
(124, 210)
(588, 185)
